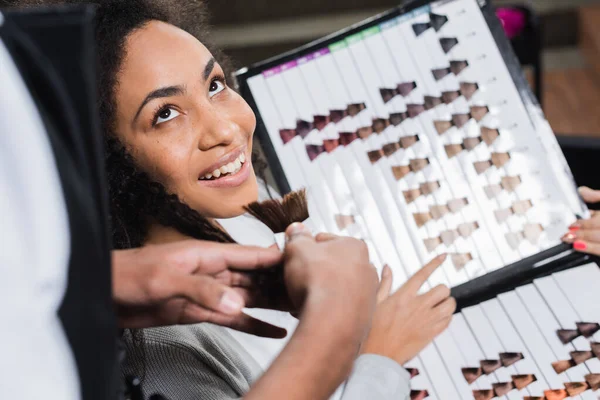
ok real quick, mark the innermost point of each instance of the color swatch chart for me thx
(412, 135)
(538, 342)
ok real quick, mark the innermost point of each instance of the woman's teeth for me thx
(227, 169)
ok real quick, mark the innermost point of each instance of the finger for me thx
(385, 286)
(241, 322)
(435, 296)
(440, 326)
(590, 223)
(241, 279)
(587, 247)
(210, 257)
(325, 237)
(203, 291)
(296, 230)
(418, 279)
(587, 235)
(446, 308)
(589, 195)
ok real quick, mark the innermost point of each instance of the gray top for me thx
(204, 361)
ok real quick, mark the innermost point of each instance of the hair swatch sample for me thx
(431, 102)
(413, 372)
(450, 96)
(314, 151)
(557, 394)
(422, 218)
(331, 144)
(406, 88)
(449, 237)
(576, 388)
(408, 141)
(437, 21)
(595, 349)
(414, 110)
(485, 394)
(489, 366)
(400, 171)
(390, 148)
(562, 365)
(397, 118)
(388, 94)
(509, 359)
(418, 394)
(344, 221)
(321, 121)
(347, 137)
(278, 214)
(458, 66)
(522, 381)
(588, 329)
(354, 109)
(303, 128)
(471, 374)
(502, 388)
(287, 135)
(375, 155)
(432, 243)
(448, 43)
(418, 164)
(468, 89)
(441, 73)
(489, 135)
(482, 166)
(467, 229)
(593, 380)
(460, 260)
(379, 125)
(479, 112)
(420, 28)
(364, 132)
(579, 357)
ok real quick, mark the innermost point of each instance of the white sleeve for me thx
(377, 378)
(36, 361)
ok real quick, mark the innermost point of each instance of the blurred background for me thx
(557, 42)
(568, 30)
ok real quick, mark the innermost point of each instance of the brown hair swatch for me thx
(278, 214)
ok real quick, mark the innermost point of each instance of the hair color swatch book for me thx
(416, 132)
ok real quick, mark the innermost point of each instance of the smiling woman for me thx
(180, 122)
(178, 146)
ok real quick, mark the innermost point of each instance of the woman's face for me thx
(182, 124)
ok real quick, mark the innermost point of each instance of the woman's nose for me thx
(217, 131)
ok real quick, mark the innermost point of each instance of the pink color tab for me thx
(273, 71)
(322, 52)
(305, 59)
(289, 65)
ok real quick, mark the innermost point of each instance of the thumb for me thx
(589, 195)
(385, 286)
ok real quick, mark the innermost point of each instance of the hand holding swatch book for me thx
(416, 131)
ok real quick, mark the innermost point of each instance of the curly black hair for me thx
(134, 197)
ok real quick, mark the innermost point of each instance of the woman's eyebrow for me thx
(209, 68)
(159, 93)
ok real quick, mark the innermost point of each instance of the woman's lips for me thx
(229, 180)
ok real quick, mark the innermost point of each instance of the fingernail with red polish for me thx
(569, 237)
(580, 245)
(574, 228)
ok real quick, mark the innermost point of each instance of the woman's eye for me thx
(215, 87)
(166, 115)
